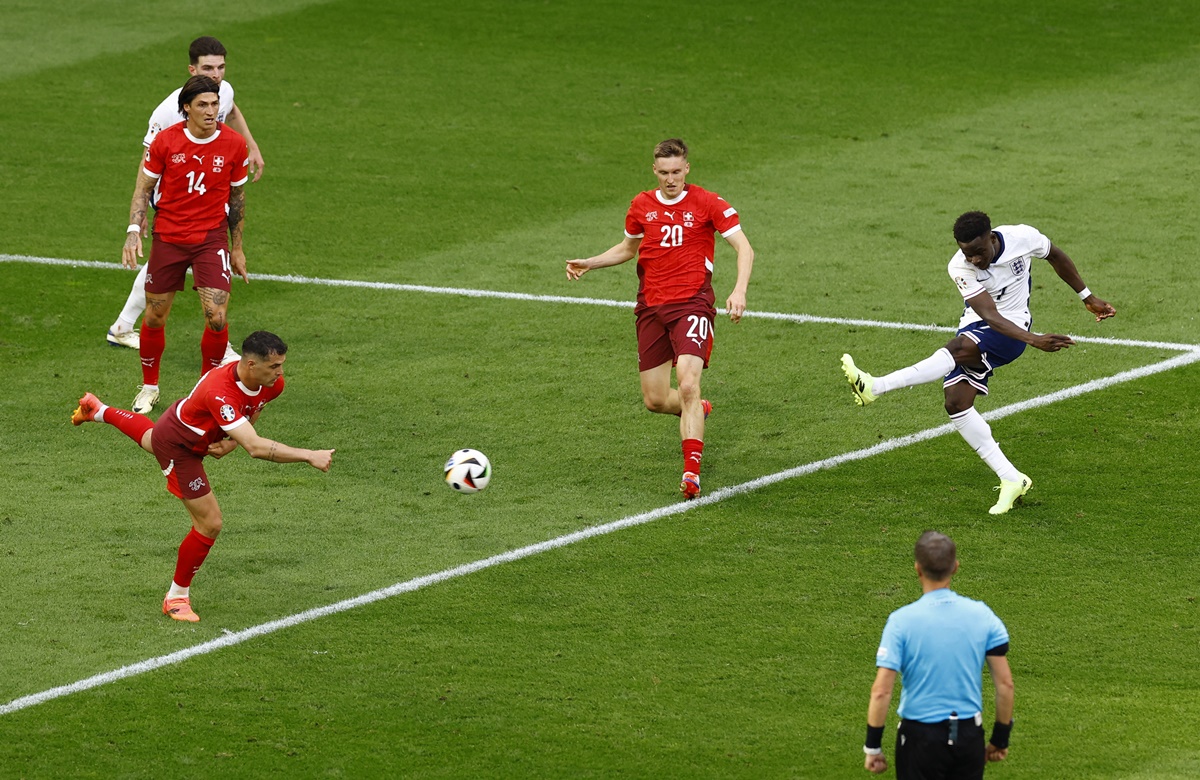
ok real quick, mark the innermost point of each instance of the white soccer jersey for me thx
(168, 114)
(1007, 279)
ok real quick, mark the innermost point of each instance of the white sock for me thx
(178, 591)
(933, 367)
(99, 415)
(135, 304)
(978, 434)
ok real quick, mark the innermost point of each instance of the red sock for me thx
(131, 424)
(693, 451)
(212, 349)
(192, 553)
(154, 343)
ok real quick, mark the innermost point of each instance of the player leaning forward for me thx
(992, 270)
(200, 166)
(670, 231)
(216, 418)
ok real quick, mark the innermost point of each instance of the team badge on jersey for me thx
(175, 158)
(651, 216)
(219, 161)
(1018, 266)
(228, 413)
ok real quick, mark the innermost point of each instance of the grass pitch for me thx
(480, 145)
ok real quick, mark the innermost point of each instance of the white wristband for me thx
(134, 229)
(1084, 294)
(872, 751)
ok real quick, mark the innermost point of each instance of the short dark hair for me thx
(936, 554)
(205, 46)
(672, 147)
(196, 85)
(262, 344)
(971, 226)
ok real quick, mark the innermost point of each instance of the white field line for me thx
(514, 296)
(229, 639)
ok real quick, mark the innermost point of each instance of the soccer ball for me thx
(468, 471)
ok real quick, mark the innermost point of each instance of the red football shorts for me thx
(209, 261)
(182, 466)
(666, 331)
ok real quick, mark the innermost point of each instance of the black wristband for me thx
(874, 737)
(1000, 734)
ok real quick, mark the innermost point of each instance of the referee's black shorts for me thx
(924, 752)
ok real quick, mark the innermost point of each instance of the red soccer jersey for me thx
(194, 177)
(675, 258)
(219, 403)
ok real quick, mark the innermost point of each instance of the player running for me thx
(217, 416)
(670, 231)
(992, 269)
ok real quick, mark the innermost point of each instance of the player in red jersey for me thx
(200, 166)
(217, 416)
(671, 232)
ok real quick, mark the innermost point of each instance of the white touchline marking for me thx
(721, 494)
(515, 296)
(1191, 354)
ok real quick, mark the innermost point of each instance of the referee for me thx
(938, 645)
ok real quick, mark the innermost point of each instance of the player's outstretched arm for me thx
(1066, 270)
(278, 452)
(138, 209)
(621, 253)
(985, 307)
(735, 304)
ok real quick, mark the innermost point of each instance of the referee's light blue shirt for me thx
(937, 644)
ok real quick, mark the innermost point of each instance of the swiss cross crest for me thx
(175, 158)
(651, 216)
(687, 216)
(1018, 266)
(219, 161)
(228, 413)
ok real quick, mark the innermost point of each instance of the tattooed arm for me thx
(237, 218)
(138, 210)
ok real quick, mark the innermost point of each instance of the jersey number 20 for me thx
(672, 236)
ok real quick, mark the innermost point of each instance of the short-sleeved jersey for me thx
(219, 403)
(675, 258)
(938, 644)
(167, 113)
(1007, 279)
(194, 179)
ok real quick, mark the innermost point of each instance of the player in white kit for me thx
(993, 331)
(207, 58)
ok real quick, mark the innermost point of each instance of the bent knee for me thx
(656, 404)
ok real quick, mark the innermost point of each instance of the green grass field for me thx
(479, 145)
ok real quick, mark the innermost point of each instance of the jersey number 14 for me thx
(196, 183)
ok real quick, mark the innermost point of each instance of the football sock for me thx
(978, 434)
(693, 451)
(192, 552)
(933, 367)
(178, 591)
(135, 304)
(131, 424)
(212, 349)
(154, 343)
